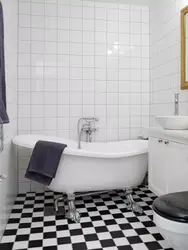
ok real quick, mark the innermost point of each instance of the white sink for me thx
(173, 122)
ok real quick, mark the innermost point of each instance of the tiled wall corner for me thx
(165, 58)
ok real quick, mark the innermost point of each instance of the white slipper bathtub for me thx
(97, 166)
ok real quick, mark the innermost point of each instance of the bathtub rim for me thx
(21, 140)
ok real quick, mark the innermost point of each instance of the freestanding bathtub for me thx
(97, 166)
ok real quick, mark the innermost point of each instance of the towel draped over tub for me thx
(44, 161)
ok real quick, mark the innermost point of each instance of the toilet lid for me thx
(172, 206)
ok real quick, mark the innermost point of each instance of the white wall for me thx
(66, 70)
(8, 187)
(165, 58)
(80, 58)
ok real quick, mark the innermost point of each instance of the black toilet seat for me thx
(172, 206)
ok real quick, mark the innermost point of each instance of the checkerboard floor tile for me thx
(105, 224)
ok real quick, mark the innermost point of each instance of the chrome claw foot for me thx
(72, 213)
(132, 205)
(135, 208)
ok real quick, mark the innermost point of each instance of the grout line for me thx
(94, 75)
(82, 92)
(70, 136)
(118, 76)
(30, 77)
(141, 120)
(106, 89)
(130, 77)
(57, 71)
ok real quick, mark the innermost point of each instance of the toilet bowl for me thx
(170, 214)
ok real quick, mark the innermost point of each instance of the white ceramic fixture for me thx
(174, 232)
(97, 166)
(173, 122)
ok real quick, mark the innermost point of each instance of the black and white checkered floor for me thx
(105, 224)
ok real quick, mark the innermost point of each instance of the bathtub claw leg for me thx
(132, 205)
(72, 213)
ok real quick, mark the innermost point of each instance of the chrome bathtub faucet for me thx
(87, 127)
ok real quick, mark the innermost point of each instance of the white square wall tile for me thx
(24, 34)
(76, 111)
(100, 25)
(37, 35)
(88, 36)
(24, 111)
(124, 15)
(37, 9)
(112, 14)
(50, 123)
(136, 16)
(37, 22)
(50, 10)
(88, 24)
(37, 124)
(24, 98)
(88, 12)
(50, 98)
(63, 98)
(50, 22)
(37, 98)
(24, 47)
(76, 12)
(50, 111)
(37, 111)
(76, 98)
(100, 37)
(76, 85)
(75, 24)
(63, 111)
(63, 123)
(24, 85)
(24, 8)
(63, 10)
(88, 98)
(24, 21)
(88, 110)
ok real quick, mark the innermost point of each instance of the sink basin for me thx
(173, 122)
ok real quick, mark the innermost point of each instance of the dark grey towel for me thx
(3, 114)
(44, 161)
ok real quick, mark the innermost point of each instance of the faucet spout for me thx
(79, 133)
(79, 139)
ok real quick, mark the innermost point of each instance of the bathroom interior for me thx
(93, 124)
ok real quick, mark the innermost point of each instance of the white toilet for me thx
(170, 214)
